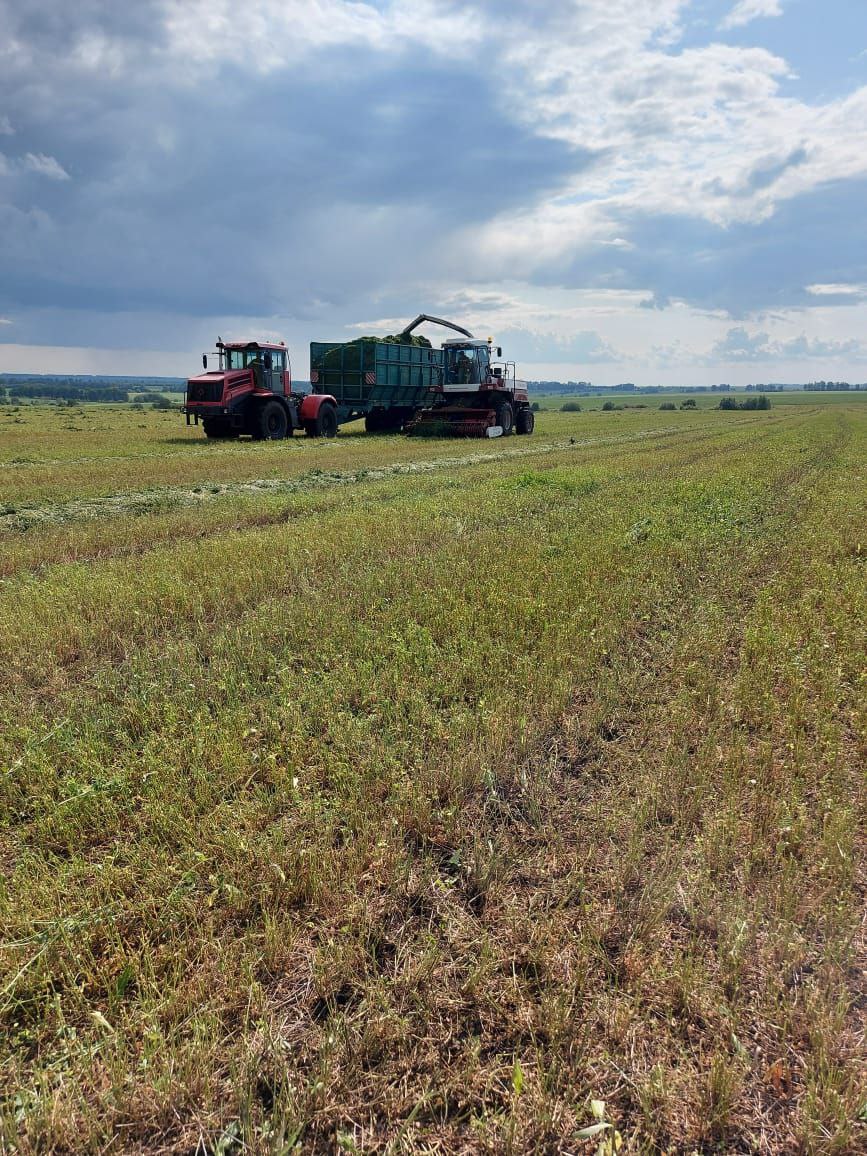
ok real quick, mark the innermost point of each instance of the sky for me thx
(615, 190)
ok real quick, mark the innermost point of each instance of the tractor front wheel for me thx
(273, 422)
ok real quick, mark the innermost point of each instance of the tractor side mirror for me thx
(204, 361)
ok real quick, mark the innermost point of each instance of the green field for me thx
(381, 795)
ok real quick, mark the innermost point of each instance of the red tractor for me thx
(251, 393)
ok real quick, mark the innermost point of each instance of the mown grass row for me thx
(42, 462)
(122, 524)
(324, 831)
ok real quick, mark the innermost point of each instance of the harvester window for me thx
(464, 369)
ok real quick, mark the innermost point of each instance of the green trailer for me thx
(384, 381)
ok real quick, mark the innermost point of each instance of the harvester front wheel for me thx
(506, 418)
(324, 425)
(525, 422)
(273, 421)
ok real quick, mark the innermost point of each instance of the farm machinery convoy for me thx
(393, 383)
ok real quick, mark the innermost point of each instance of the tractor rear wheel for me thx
(525, 422)
(273, 421)
(506, 418)
(324, 425)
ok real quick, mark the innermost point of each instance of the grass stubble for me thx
(417, 813)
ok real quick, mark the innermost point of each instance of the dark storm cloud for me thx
(252, 194)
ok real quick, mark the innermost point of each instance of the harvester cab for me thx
(465, 363)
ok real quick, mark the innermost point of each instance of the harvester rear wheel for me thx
(506, 418)
(525, 422)
(273, 421)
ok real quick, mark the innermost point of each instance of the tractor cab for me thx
(268, 363)
(466, 363)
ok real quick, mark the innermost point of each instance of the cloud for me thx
(814, 348)
(832, 290)
(45, 166)
(204, 31)
(6, 128)
(336, 161)
(739, 345)
(747, 10)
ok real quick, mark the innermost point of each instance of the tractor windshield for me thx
(241, 358)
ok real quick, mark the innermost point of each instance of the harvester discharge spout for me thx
(434, 321)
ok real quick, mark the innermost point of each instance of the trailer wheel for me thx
(324, 424)
(525, 422)
(273, 421)
(506, 418)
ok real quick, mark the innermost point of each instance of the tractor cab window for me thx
(241, 358)
(278, 359)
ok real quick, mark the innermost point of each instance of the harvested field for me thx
(393, 796)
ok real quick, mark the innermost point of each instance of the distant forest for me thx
(587, 389)
(53, 387)
(16, 387)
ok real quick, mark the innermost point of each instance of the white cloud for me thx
(38, 163)
(45, 166)
(837, 290)
(706, 132)
(6, 128)
(747, 10)
(278, 33)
